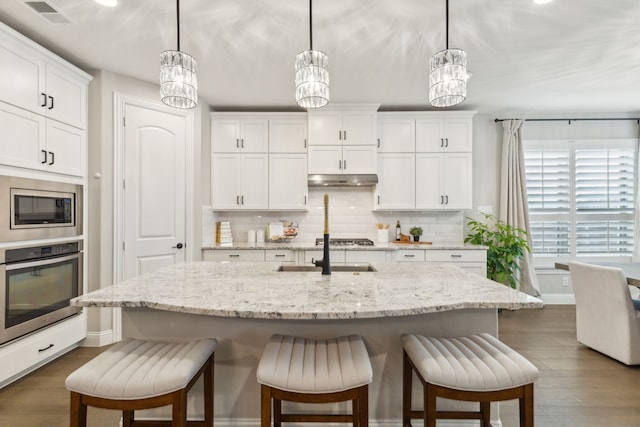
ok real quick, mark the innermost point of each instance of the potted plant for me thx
(416, 232)
(506, 245)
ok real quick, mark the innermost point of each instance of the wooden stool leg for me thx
(78, 413)
(277, 412)
(208, 393)
(429, 405)
(526, 406)
(363, 406)
(179, 409)
(355, 412)
(127, 418)
(407, 378)
(265, 406)
(485, 411)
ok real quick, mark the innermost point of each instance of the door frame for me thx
(120, 102)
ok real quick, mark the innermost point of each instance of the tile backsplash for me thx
(350, 215)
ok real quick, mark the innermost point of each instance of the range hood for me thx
(343, 180)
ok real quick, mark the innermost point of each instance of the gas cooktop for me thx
(345, 242)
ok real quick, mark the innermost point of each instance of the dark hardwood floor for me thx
(577, 386)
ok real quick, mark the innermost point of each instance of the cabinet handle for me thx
(305, 200)
(446, 142)
(340, 135)
(234, 255)
(456, 256)
(446, 200)
(442, 200)
(237, 142)
(378, 142)
(242, 143)
(45, 157)
(345, 134)
(344, 164)
(409, 256)
(51, 106)
(44, 99)
(280, 255)
(339, 164)
(305, 143)
(242, 200)
(53, 157)
(441, 142)
(45, 348)
(378, 199)
(237, 200)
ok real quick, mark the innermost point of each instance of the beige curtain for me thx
(513, 198)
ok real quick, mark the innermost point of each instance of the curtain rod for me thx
(637, 120)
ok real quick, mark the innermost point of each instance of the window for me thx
(581, 197)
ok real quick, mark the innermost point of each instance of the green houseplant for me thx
(416, 232)
(506, 245)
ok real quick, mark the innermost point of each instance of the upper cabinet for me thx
(237, 134)
(348, 124)
(288, 133)
(452, 135)
(396, 134)
(38, 81)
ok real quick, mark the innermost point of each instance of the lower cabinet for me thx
(234, 255)
(471, 260)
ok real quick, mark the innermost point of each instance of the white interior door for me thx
(154, 188)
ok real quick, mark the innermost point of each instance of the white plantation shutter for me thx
(581, 197)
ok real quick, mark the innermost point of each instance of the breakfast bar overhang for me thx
(243, 304)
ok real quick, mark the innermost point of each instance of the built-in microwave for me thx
(39, 209)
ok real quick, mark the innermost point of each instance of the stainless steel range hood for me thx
(340, 180)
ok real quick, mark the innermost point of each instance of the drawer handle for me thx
(234, 255)
(280, 255)
(409, 256)
(45, 349)
(456, 256)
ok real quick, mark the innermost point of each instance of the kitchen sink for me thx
(350, 268)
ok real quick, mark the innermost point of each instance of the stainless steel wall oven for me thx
(37, 209)
(36, 284)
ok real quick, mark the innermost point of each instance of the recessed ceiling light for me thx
(542, 1)
(108, 3)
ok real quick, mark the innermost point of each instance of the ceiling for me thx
(565, 56)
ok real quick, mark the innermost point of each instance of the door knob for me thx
(179, 246)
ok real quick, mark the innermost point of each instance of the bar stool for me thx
(136, 374)
(478, 368)
(305, 370)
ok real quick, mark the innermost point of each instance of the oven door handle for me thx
(41, 262)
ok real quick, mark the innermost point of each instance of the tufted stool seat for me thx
(477, 368)
(136, 374)
(304, 370)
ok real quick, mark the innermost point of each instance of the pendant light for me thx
(447, 74)
(178, 79)
(312, 74)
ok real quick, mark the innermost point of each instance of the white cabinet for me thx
(449, 135)
(396, 134)
(33, 79)
(32, 141)
(288, 134)
(360, 257)
(443, 181)
(288, 188)
(345, 125)
(335, 159)
(234, 134)
(471, 260)
(233, 255)
(239, 181)
(396, 187)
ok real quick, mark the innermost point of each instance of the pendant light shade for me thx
(447, 74)
(312, 74)
(178, 75)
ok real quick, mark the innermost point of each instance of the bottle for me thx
(398, 231)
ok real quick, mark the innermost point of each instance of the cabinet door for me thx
(66, 98)
(396, 185)
(429, 135)
(254, 135)
(66, 149)
(396, 135)
(359, 159)
(288, 135)
(325, 159)
(325, 127)
(429, 193)
(225, 135)
(225, 181)
(254, 185)
(456, 179)
(288, 181)
(359, 128)
(22, 77)
(23, 137)
(458, 136)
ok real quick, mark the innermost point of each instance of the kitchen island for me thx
(243, 304)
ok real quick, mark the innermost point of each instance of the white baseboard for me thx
(98, 339)
(559, 299)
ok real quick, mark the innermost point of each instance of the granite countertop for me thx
(258, 291)
(376, 247)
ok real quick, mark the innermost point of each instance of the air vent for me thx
(47, 11)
